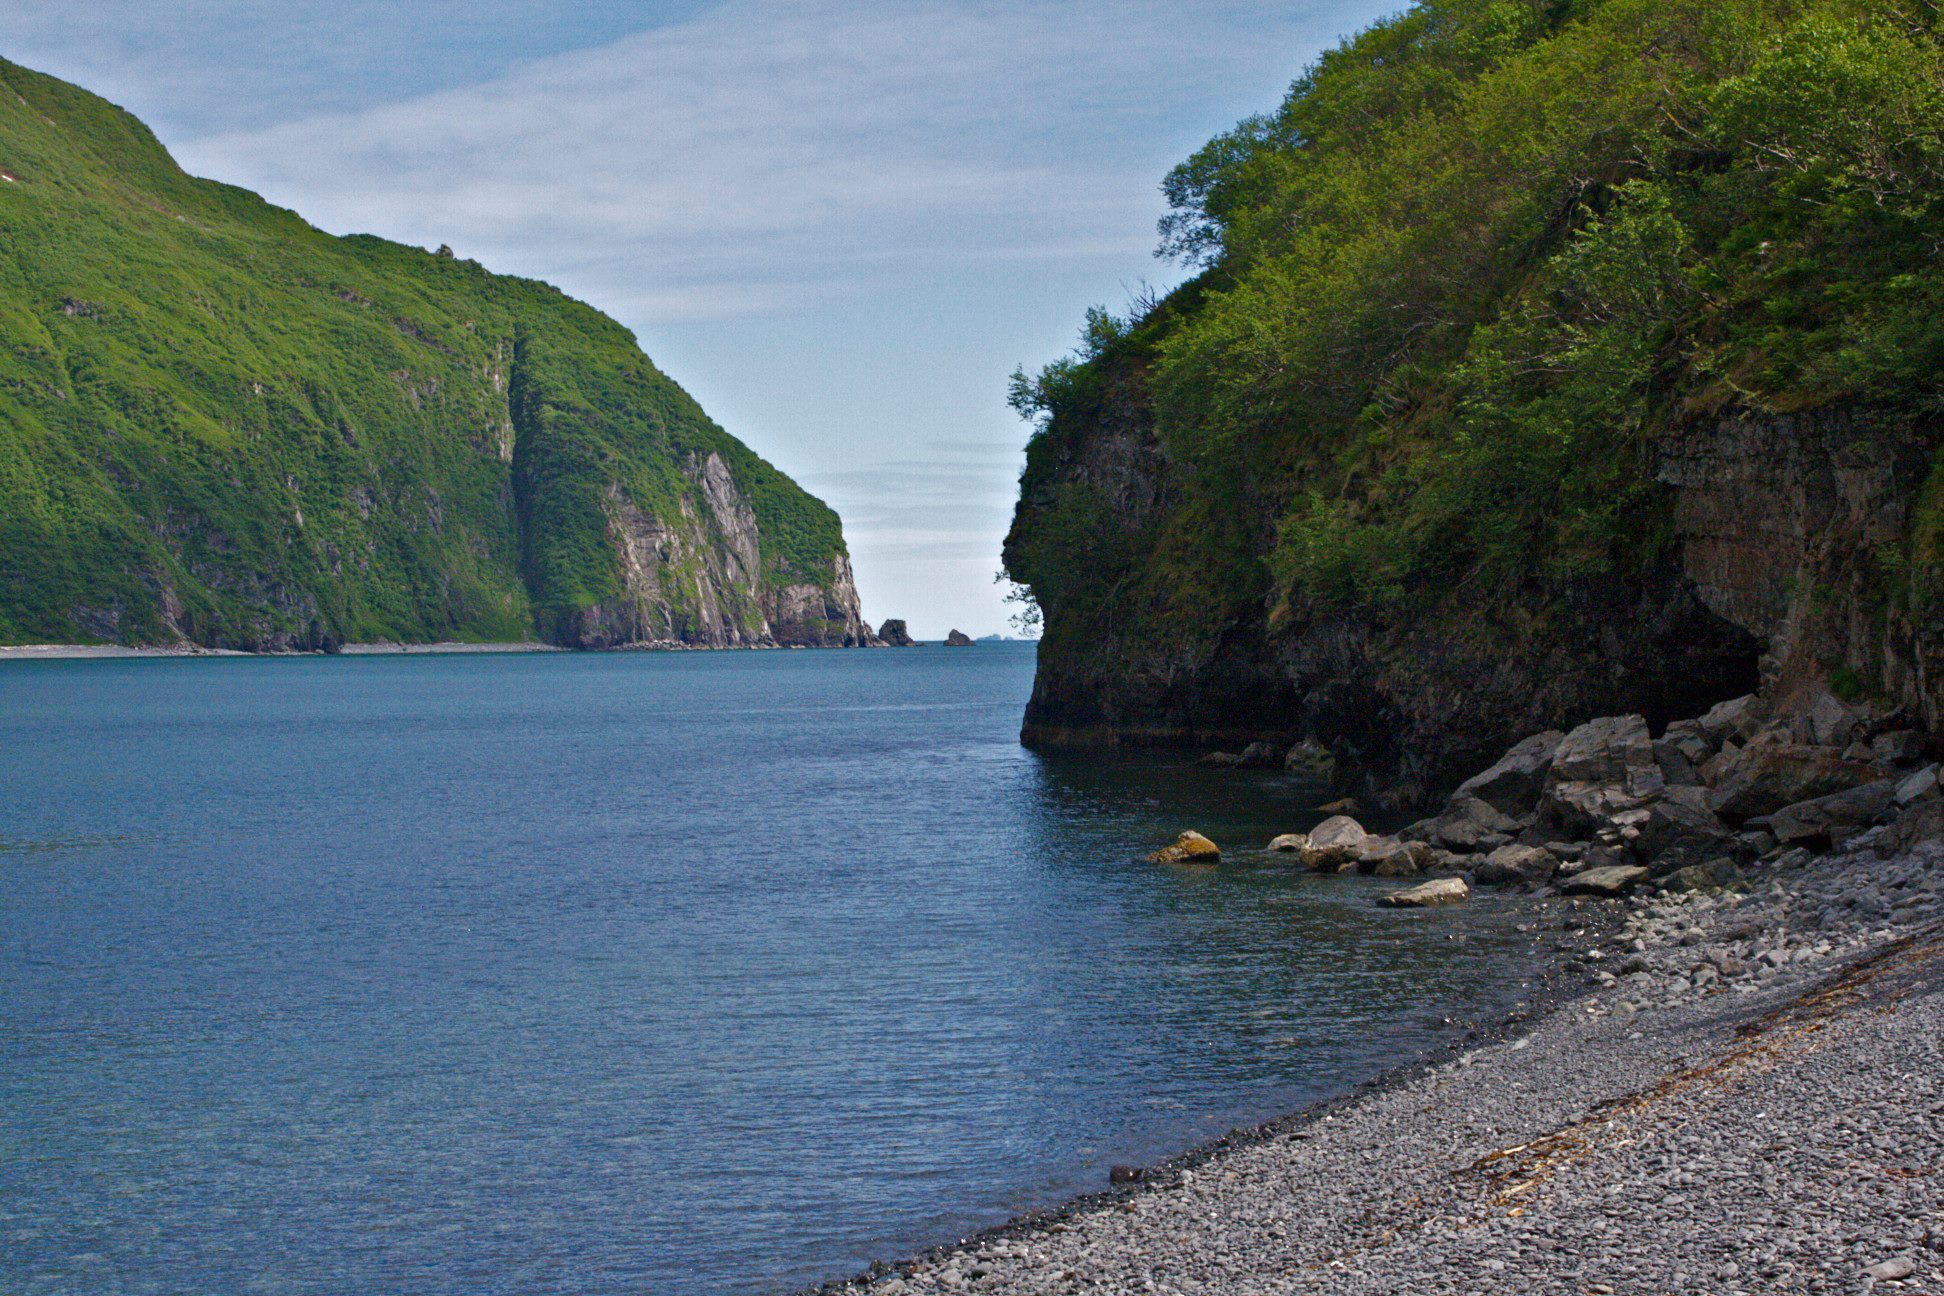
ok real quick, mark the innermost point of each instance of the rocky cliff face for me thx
(693, 576)
(1781, 573)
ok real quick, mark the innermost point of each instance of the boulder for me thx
(1289, 842)
(1675, 764)
(1512, 785)
(1681, 828)
(1468, 823)
(1610, 880)
(1386, 857)
(1917, 785)
(1189, 848)
(1261, 755)
(1901, 747)
(1739, 718)
(1530, 865)
(1829, 723)
(958, 639)
(1312, 760)
(895, 635)
(1818, 820)
(1919, 822)
(1438, 891)
(1333, 844)
(1685, 736)
(1769, 775)
(1600, 769)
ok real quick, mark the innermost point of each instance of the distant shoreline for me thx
(85, 652)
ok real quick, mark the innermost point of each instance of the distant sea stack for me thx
(958, 639)
(894, 635)
(221, 426)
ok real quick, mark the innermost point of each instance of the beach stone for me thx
(1438, 891)
(1288, 842)
(1512, 784)
(1609, 880)
(1892, 1270)
(1189, 848)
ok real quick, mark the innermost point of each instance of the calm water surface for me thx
(685, 973)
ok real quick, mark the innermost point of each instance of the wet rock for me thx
(1289, 842)
(1261, 755)
(1513, 783)
(1530, 865)
(1611, 880)
(1189, 848)
(1386, 857)
(1125, 1174)
(1438, 891)
(1333, 844)
(1311, 759)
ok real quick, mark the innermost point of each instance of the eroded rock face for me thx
(692, 575)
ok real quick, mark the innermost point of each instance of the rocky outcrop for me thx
(1189, 848)
(892, 634)
(958, 639)
(693, 575)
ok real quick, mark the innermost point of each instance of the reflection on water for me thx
(686, 973)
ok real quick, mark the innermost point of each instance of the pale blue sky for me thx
(839, 225)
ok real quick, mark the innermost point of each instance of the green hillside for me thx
(218, 423)
(1460, 296)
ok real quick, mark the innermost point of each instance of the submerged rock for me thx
(1438, 891)
(1189, 848)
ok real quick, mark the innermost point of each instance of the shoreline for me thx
(122, 652)
(1461, 1170)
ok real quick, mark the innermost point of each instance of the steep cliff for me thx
(1548, 360)
(222, 426)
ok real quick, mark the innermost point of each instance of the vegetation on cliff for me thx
(219, 423)
(1456, 290)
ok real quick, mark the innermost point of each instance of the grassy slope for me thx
(214, 415)
(1459, 282)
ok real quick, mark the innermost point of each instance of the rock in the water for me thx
(1386, 857)
(1816, 820)
(1609, 880)
(958, 639)
(1261, 755)
(1311, 759)
(1189, 848)
(1532, 865)
(895, 635)
(1438, 891)
(1333, 844)
(1511, 786)
(1289, 842)
(1220, 760)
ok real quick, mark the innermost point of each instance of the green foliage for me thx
(219, 420)
(1481, 257)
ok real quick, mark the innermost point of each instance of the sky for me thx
(840, 226)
